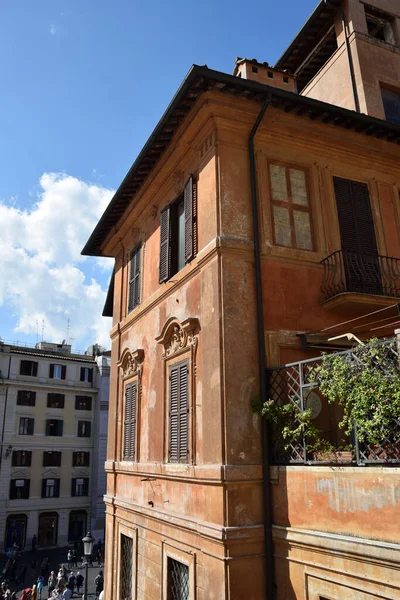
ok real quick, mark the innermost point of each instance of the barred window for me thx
(178, 580)
(126, 568)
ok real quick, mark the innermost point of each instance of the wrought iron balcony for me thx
(361, 274)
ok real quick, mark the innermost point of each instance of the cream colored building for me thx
(53, 424)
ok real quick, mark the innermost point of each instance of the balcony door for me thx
(360, 261)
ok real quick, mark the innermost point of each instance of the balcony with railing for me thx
(295, 384)
(361, 280)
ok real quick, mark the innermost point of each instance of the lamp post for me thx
(88, 542)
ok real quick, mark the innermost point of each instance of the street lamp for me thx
(88, 542)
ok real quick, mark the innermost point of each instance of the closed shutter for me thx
(188, 208)
(34, 369)
(28, 458)
(134, 278)
(44, 488)
(178, 414)
(51, 374)
(60, 427)
(88, 428)
(90, 375)
(63, 372)
(86, 459)
(56, 488)
(73, 487)
(13, 489)
(30, 426)
(130, 421)
(86, 486)
(82, 373)
(27, 487)
(47, 427)
(165, 245)
(74, 459)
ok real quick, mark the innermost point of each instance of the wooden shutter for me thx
(86, 486)
(27, 487)
(82, 373)
(16, 458)
(30, 426)
(60, 427)
(188, 208)
(130, 421)
(44, 481)
(13, 489)
(34, 369)
(357, 232)
(134, 278)
(28, 458)
(178, 414)
(73, 487)
(63, 371)
(51, 374)
(47, 427)
(90, 375)
(165, 244)
(56, 488)
(74, 459)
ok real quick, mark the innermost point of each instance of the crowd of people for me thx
(61, 585)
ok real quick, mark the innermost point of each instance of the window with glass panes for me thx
(291, 210)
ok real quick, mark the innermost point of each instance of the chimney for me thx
(263, 73)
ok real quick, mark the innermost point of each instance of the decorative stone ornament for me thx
(177, 337)
(131, 363)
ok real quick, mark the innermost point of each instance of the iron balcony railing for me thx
(293, 383)
(361, 273)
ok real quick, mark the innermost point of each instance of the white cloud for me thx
(41, 269)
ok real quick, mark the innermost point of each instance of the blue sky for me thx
(83, 83)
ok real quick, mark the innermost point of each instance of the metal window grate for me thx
(178, 580)
(126, 567)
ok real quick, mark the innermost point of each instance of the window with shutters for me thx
(178, 446)
(178, 232)
(50, 488)
(21, 458)
(26, 426)
(19, 489)
(57, 371)
(28, 367)
(134, 278)
(86, 374)
(52, 459)
(26, 398)
(129, 439)
(54, 427)
(83, 403)
(55, 400)
(80, 459)
(291, 209)
(84, 429)
(80, 486)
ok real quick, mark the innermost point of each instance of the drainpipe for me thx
(349, 55)
(269, 558)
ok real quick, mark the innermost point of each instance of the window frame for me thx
(169, 232)
(385, 98)
(78, 463)
(62, 369)
(29, 424)
(85, 487)
(33, 367)
(21, 401)
(14, 487)
(374, 15)
(290, 205)
(55, 487)
(48, 427)
(135, 277)
(19, 453)
(189, 559)
(52, 463)
(61, 399)
(82, 424)
(89, 372)
(78, 400)
(133, 382)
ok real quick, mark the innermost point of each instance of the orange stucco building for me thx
(221, 233)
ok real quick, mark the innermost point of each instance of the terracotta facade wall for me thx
(209, 513)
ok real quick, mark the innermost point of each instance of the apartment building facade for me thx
(53, 423)
(221, 233)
